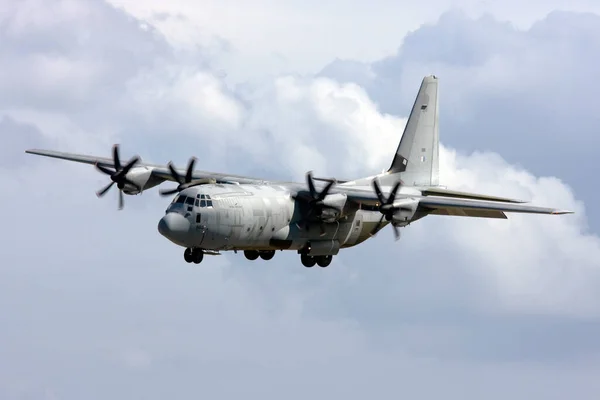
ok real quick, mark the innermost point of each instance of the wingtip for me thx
(561, 212)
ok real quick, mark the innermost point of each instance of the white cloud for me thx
(539, 264)
(298, 36)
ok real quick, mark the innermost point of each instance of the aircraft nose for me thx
(174, 227)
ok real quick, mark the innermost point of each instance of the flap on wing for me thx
(435, 203)
(465, 212)
(435, 191)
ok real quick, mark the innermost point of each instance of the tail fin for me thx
(416, 159)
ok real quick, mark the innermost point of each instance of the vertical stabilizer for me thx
(417, 156)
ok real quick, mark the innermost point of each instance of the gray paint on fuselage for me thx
(250, 217)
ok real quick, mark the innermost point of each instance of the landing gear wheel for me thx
(324, 261)
(307, 261)
(267, 255)
(188, 255)
(197, 256)
(251, 254)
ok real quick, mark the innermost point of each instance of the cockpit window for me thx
(180, 200)
(204, 201)
(189, 200)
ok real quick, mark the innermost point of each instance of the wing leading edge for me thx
(159, 171)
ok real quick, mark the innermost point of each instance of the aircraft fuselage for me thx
(257, 217)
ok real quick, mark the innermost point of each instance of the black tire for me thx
(188, 255)
(308, 261)
(324, 261)
(197, 256)
(251, 254)
(267, 255)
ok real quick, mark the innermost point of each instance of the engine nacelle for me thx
(403, 216)
(337, 200)
(141, 176)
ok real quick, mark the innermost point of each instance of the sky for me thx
(95, 304)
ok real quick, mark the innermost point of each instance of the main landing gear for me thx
(254, 254)
(310, 261)
(193, 255)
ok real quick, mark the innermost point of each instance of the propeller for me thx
(314, 200)
(184, 181)
(118, 176)
(387, 207)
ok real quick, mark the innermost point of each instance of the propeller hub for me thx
(386, 206)
(119, 175)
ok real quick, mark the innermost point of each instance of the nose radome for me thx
(174, 227)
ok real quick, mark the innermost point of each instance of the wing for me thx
(158, 171)
(467, 207)
(486, 209)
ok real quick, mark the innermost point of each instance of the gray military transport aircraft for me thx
(213, 212)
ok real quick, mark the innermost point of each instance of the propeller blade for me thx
(174, 173)
(311, 185)
(378, 192)
(169, 192)
(128, 167)
(116, 158)
(102, 192)
(104, 170)
(392, 197)
(325, 191)
(396, 232)
(121, 200)
(190, 170)
(376, 228)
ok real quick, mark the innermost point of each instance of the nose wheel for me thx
(193, 255)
